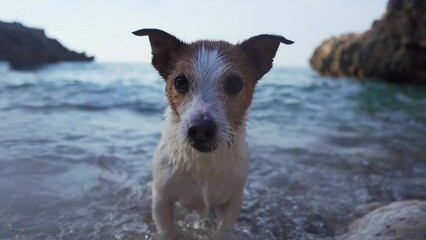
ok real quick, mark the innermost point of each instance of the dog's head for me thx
(210, 84)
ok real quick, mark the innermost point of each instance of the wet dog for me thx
(202, 158)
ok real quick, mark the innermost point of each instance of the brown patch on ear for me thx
(163, 46)
(261, 51)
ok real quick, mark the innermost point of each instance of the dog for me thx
(202, 158)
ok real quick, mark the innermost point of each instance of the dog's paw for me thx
(221, 235)
(178, 235)
(167, 237)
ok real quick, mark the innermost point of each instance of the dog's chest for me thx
(211, 192)
(200, 181)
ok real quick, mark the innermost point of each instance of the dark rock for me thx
(393, 49)
(28, 48)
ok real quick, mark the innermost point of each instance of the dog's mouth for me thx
(204, 147)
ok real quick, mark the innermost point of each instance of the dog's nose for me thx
(202, 131)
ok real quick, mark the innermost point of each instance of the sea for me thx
(76, 142)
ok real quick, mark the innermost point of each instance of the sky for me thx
(103, 27)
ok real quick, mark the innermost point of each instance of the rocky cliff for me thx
(393, 49)
(28, 48)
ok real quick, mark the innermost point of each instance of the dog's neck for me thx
(203, 166)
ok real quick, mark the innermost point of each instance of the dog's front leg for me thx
(163, 213)
(227, 216)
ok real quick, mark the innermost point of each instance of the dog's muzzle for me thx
(201, 134)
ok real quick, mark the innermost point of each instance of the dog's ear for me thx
(261, 51)
(163, 45)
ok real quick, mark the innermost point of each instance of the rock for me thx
(393, 49)
(28, 48)
(405, 220)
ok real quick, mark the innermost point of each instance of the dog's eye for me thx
(181, 84)
(233, 85)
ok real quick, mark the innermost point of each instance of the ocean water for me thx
(76, 141)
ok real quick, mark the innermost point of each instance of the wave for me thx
(83, 96)
(134, 106)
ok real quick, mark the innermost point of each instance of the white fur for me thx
(199, 180)
(206, 99)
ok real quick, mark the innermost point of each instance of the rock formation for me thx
(393, 49)
(28, 48)
(398, 220)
